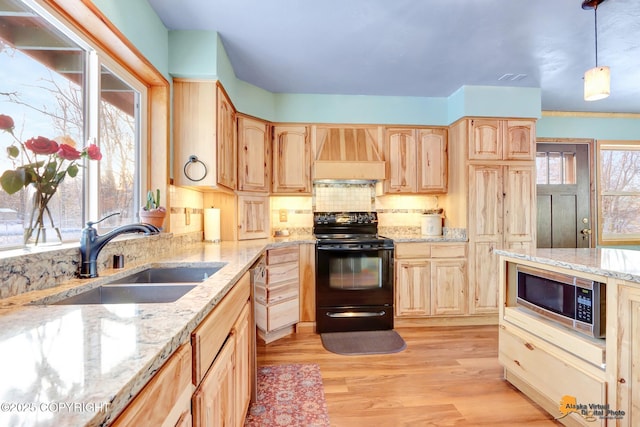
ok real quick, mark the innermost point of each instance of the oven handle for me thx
(357, 314)
(335, 249)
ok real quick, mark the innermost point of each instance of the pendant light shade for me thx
(597, 83)
(597, 80)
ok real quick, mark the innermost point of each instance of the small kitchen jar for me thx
(431, 225)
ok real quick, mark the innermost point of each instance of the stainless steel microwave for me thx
(572, 301)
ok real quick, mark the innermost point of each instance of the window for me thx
(619, 191)
(57, 85)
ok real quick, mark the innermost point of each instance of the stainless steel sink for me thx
(159, 284)
(129, 294)
(170, 275)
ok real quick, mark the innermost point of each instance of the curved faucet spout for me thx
(91, 243)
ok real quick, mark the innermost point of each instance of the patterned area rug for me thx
(289, 395)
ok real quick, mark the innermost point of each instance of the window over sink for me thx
(56, 83)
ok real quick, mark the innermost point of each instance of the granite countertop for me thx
(81, 365)
(616, 263)
(417, 237)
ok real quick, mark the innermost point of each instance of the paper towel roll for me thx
(212, 225)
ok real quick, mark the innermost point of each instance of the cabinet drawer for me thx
(550, 371)
(282, 273)
(207, 339)
(273, 293)
(272, 317)
(448, 251)
(281, 255)
(413, 250)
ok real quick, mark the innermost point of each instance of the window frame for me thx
(634, 239)
(87, 21)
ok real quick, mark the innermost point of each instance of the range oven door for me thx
(354, 287)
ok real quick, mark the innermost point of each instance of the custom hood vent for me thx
(348, 153)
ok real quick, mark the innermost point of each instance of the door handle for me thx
(586, 231)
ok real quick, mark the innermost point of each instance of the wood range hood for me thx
(348, 154)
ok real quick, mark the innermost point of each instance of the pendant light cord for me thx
(595, 14)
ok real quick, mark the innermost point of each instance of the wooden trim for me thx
(586, 114)
(87, 18)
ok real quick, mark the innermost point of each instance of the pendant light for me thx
(597, 80)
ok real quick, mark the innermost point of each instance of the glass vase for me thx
(39, 224)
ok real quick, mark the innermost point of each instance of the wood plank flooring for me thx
(446, 376)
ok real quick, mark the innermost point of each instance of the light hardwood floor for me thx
(446, 376)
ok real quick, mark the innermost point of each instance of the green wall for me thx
(200, 54)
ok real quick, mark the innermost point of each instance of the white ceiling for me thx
(425, 48)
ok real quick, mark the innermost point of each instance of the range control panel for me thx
(345, 218)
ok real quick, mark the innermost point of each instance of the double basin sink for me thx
(160, 284)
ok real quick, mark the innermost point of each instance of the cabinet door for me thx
(291, 160)
(254, 155)
(413, 288)
(519, 204)
(448, 287)
(627, 350)
(485, 202)
(194, 132)
(243, 361)
(213, 401)
(432, 161)
(400, 156)
(485, 139)
(520, 139)
(253, 217)
(483, 277)
(226, 141)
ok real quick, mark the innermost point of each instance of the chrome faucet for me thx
(91, 243)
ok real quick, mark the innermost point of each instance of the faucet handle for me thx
(92, 223)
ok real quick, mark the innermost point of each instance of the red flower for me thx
(67, 152)
(42, 145)
(6, 122)
(93, 151)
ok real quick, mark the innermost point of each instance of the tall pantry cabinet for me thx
(495, 183)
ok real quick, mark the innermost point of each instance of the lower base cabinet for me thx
(430, 279)
(209, 381)
(166, 399)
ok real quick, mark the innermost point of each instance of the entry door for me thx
(563, 195)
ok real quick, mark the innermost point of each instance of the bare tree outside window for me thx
(619, 191)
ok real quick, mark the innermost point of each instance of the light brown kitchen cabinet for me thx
(213, 401)
(166, 399)
(204, 127)
(501, 215)
(625, 371)
(416, 160)
(277, 302)
(226, 139)
(254, 155)
(291, 172)
(501, 139)
(222, 368)
(253, 217)
(430, 279)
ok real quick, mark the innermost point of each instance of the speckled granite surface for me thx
(617, 263)
(413, 234)
(80, 365)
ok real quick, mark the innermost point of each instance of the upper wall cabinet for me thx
(204, 135)
(497, 139)
(416, 160)
(254, 155)
(291, 160)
